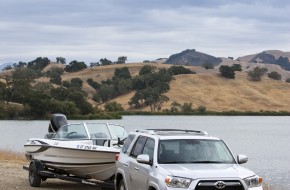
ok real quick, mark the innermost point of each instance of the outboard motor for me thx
(57, 120)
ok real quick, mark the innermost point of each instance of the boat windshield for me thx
(98, 130)
(117, 131)
(194, 151)
(71, 132)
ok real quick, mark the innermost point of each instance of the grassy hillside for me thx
(219, 94)
(205, 88)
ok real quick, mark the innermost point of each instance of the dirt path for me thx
(12, 176)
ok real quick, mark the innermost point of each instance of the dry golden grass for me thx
(11, 156)
(220, 94)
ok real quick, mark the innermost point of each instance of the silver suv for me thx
(160, 159)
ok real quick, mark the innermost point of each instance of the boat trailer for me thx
(38, 173)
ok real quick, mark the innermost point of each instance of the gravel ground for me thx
(12, 176)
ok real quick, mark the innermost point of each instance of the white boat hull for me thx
(78, 158)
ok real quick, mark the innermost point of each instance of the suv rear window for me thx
(127, 143)
(138, 148)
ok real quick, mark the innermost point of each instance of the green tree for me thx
(187, 107)
(56, 79)
(113, 106)
(124, 86)
(38, 103)
(227, 71)
(137, 100)
(93, 84)
(39, 63)
(201, 109)
(175, 106)
(20, 85)
(122, 73)
(2, 91)
(76, 82)
(94, 64)
(153, 98)
(64, 107)
(105, 61)
(274, 75)
(55, 75)
(147, 69)
(106, 92)
(43, 87)
(75, 66)
(237, 67)
(121, 60)
(61, 60)
(54, 70)
(257, 73)
(20, 64)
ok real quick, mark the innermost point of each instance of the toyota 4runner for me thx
(170, 159)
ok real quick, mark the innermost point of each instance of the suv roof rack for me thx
(162, 131)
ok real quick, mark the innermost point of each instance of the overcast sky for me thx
(88, 30)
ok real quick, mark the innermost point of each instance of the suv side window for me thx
(127, 143)
(139, 146)
(149, 148)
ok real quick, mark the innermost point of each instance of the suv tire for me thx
(121, 185)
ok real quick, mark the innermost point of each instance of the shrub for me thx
(147, 69)
(288, 80)
(201, 109)
(227, 71)
(237, 67)
(275, 75)
(187, 107)
(208, 65)
(257, 73)
(177, 70)
(93, 84)
(113, 106)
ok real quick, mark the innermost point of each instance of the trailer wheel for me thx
(34, 177)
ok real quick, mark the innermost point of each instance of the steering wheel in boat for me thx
(70, 134)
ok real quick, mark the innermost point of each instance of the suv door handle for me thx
(126, 164)
(136, 168)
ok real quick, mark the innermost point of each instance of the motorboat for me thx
(85, 150)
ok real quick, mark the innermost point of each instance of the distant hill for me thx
(2, 66)
(206, 87)
(269, 57)
(193, 58)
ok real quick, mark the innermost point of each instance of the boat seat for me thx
(77, 136)
(100, 142)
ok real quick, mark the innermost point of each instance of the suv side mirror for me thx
(143, 159)
(242, 159)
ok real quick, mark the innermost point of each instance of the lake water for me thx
(265, 140)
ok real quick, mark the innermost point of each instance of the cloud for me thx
(88, 30)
